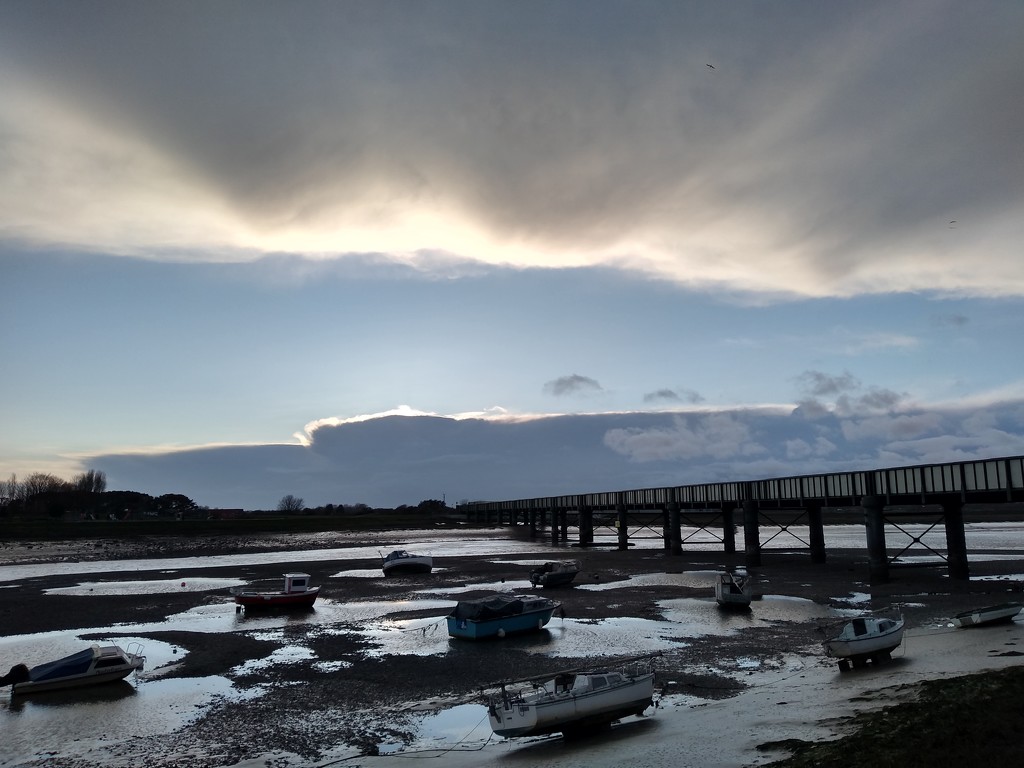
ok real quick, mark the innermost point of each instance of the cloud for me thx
(571, 385)
(818, 384)
(672, 396)
(393, 460)
(825, 155)
(717, 435)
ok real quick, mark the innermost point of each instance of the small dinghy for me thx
(992, 614)
(93, 666)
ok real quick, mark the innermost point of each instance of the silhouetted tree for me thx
(41, 482)
(290, 503)
(173, 503)
(90, 482)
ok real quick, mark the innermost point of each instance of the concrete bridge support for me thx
(816, 526)
(751, 534)
(623, 526)
(874, 526)
(586, 526)
(956, 539)
(675, 529)
(554, 525)
(729, 529)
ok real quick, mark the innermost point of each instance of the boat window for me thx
(598, 681)
(100, 663)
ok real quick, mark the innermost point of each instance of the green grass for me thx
(973, 720)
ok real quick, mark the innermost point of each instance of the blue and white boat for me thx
(93, 666)
(499, 615)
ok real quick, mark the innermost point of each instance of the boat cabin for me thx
(296, 582)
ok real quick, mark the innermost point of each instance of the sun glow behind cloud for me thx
(786, 170)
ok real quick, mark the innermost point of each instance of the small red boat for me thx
(296, 594)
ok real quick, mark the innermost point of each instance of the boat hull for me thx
(474, 629)
(95, 666)
(272, 600)
(555, 574)
(732, 593)
(75, 681)
(993, 614)
(571, 713)
(408, 566)
(868, 642)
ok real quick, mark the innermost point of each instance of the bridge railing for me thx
(986, 480)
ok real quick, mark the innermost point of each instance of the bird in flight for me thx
(710, 66)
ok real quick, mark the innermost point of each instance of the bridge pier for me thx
(874, 526)
(622, 522)
(956, 539)
(554, 525)
(751, 535)
(675, 530)
(816, 526)
(728, 529)
(586, 526)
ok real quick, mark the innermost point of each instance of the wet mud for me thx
(346, 689)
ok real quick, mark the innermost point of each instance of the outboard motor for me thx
(18, 674)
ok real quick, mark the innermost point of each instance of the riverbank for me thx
(374, 695)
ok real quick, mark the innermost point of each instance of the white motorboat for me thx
(401, 562)
(570, 702)
(992, 614)
(93, 666)
(732, 590)
(556, 573)
(866, 638)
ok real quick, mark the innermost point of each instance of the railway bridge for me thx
(935, 494)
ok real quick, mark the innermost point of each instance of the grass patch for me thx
(970, 720)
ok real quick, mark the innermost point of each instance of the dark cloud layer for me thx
(402, 460)
(829, 147)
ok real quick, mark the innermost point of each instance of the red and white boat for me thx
(296, 594)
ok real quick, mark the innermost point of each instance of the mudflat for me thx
(350, 697)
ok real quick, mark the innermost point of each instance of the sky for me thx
(381, 252)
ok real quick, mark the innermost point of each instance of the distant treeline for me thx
(85, 499)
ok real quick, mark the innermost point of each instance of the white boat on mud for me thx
(572, 702)
(93, 666)
(556, 573)
(732, 590)
(866, 638)
(992, 614)
(400, 563)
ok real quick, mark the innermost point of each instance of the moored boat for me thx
(570, 702)
(400, 562)
(732, 590)
(93, 666)
(865, 638)
(991, 614)
(555, 573)
(499, 615)
(296, 594)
